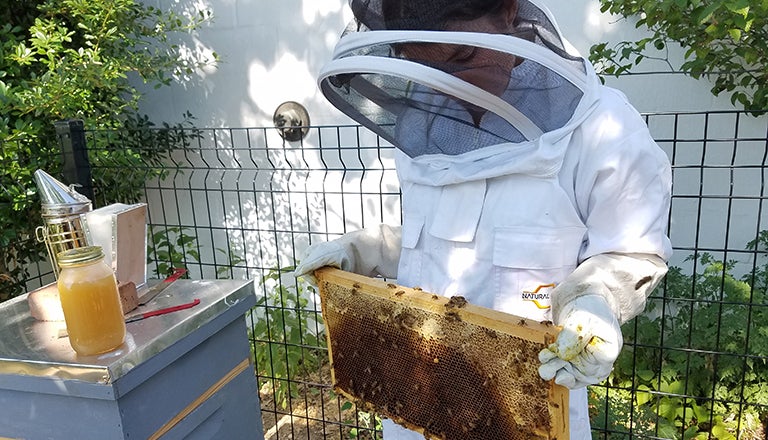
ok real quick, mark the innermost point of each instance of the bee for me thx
(391, 286)
(400, 293)
(456, 301)
(453, 316)
(643, 281)
(404, 321)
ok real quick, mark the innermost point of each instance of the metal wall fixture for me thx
(291, 120)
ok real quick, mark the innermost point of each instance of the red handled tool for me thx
(140, 316)
(153, 291)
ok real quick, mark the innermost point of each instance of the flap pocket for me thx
(537, 248)
(412, 227)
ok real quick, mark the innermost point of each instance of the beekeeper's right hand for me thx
(587, 346)
(371, 252)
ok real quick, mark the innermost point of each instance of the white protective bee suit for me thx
(553, 205)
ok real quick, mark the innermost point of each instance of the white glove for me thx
(329, 253)
(586, 347)
(369, 252)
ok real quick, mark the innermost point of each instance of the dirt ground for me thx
(316, 413)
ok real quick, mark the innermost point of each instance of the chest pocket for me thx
(537, 248)
(528, 262)
(458, 211)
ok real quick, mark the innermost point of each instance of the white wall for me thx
(272, 50)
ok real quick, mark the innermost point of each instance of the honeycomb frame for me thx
(437, 365)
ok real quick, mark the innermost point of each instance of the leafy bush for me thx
(170, 247)
(367, 425)
(70, 59)
(701, 363)
(724, 40)
(287, 342)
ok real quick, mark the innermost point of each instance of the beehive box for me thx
(438, 365)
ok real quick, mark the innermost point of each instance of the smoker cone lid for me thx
(58, 198)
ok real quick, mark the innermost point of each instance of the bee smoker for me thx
(63, 211)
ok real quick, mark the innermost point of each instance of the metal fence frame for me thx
(252, 203)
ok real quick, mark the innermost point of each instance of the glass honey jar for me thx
(90, 301)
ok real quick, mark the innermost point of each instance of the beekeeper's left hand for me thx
(586, 347)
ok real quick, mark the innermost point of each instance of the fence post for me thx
(77, 168)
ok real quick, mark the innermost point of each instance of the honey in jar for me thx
(90, 301)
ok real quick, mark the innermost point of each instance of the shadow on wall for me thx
(270, 53)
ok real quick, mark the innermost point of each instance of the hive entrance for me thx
(436, 365)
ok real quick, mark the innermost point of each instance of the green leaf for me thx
(645, 375)
(721, 432)
(704, 14)
(643, 395)
(674, 387)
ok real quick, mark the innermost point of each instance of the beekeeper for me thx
(527, 186)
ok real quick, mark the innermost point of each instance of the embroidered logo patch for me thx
(539, 296)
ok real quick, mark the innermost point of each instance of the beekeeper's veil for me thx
(403, 70)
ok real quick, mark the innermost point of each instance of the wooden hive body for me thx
(439, 365)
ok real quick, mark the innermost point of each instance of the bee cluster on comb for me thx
(438, 365)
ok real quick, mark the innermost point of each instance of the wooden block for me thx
(129, 298)
(440, 366)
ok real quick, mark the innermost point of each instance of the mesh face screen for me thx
(430, 364)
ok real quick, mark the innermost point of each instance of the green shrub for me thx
(72, 59)
(724, 41)
(170, 247)
(701, 362)
(287, 342)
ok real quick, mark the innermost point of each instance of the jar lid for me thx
(79, 255)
